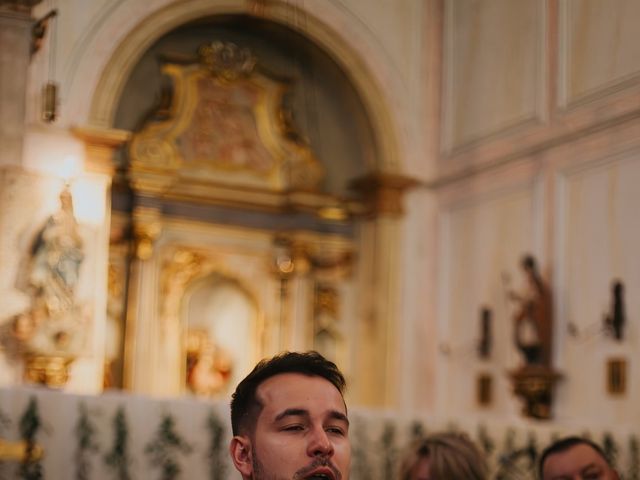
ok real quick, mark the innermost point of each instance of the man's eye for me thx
(592, 475)
(335, 430)
(293, 428)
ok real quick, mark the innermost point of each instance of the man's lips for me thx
(321, 468)
(324, 472)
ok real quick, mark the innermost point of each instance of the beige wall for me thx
(521, 119)
(538, 152)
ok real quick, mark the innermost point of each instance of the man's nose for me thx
(319, 443)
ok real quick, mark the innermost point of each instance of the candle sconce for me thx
(614, 322)
(485, 342)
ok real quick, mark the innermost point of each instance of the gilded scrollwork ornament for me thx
(227, 60)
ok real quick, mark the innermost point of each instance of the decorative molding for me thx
(525, 122)
(598, 94)
(52, 371)
(383, 193)
(535, 385)
(100, 144)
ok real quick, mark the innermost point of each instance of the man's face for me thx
(580, 462)
(422, 469)
(301, 432)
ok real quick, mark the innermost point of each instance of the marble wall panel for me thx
(493, 68)
(598, 237)
(599, 48)
(483, 240)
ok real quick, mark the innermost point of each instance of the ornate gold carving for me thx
(146, 228)
(52, 371)
(383, 192)
(227, 60)
(327, 300)
(327, 335)
(222, 129)
(298, 253)
(208, 365)
(177, 272)
(535, 385)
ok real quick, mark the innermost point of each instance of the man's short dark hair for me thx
(565, 444)
(245, 406)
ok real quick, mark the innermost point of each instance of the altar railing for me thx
(123, 436)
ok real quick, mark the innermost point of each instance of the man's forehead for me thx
(292, 388)
(576, 457)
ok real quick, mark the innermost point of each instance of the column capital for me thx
(100, 143)
(383, 192)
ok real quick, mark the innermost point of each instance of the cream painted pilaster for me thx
(94, 189)
(377, 353)
(15, 40)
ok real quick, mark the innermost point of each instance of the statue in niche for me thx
(614, 322)
(56, 258)
(533, 316)
(53, 325)
(208, 366)
(484, 344)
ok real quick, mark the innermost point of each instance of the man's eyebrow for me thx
(335, 414)
(301, 412)
(292, 412)
(590, 466)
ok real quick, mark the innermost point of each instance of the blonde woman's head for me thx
(443, 456)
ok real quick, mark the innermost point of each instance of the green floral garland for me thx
(118, 459)
(85, 434)
(165, 448)
(30, 424)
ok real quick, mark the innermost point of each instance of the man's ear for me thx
(242, 455)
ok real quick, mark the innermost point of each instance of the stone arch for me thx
(117, 69)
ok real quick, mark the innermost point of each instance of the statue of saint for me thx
(56, 258)
(533, 317)
(208, 366)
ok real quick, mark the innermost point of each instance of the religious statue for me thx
(208, 366)
(56, 258)
(533, 316)
(534, 382)
(52, 331)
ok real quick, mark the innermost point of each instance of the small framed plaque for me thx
(484, 388)
(617, 376)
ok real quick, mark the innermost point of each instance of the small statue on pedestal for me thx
(533, 327)
(533, 317)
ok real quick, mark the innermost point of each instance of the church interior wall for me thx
(520, 124)
(534, 139)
